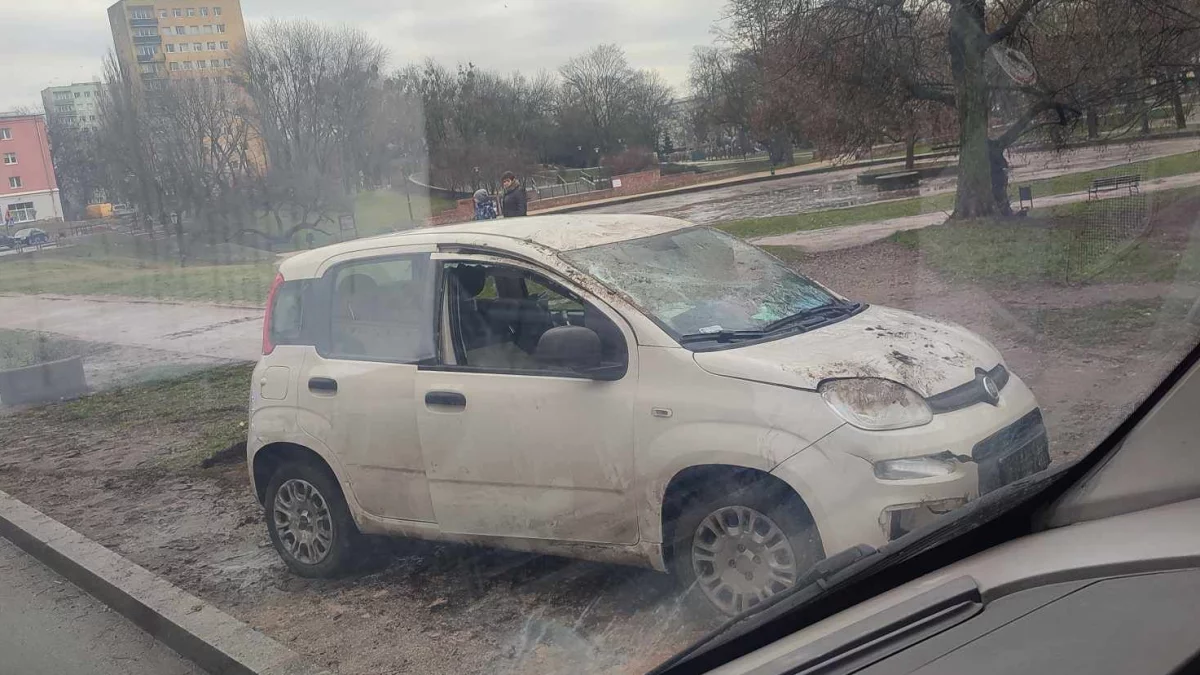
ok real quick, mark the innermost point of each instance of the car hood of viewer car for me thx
(925, 355)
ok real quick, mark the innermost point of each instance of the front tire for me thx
(309, 522)
(733, 552)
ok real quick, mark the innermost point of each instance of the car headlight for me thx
(875, 404)
(914, 467)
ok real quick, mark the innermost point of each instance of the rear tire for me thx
(731, 552)
(309, 522)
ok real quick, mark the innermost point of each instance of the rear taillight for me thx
(269, 346)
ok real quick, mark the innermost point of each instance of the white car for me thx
(631, 389)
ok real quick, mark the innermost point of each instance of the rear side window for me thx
(383, 310)
(287, 314)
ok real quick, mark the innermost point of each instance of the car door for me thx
(513, 448)
(357, 388)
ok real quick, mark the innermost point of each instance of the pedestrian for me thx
(9, 221)
(513, 203)
(485, 206)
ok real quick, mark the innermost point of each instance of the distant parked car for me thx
(7, 242)
(31, 236)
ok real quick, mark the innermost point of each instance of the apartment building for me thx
(76, 105)
(28, 190)
(176, 38)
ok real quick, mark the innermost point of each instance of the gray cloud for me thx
(60, 41)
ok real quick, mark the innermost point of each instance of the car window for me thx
(287, 313)
(383, 310)
(499, 313)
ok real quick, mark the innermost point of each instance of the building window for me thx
(171, 48)
(197, 46)
(216, 11)
(5, 134)
(185, 46)
(10, 158)
(87, 94)
(203, 11)
(207, 29)
(91, 118)
(187, 65)
(148, 68)
(177, 13)
(145, 32)
(193, 30)
(64, 109)
(212, 46)
(174, 65)
(146, 50)
(14, 182)
(224, 44)
(180, 30)
(22, 212)
(141, 13)
(162, 13)
(201, 64)
(220, 28)
(215, 63)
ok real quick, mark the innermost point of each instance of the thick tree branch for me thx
(1003, 32)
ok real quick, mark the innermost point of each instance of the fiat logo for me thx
(990, 388)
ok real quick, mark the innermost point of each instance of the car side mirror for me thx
(572, 347)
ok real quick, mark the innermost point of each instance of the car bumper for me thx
(994, 445)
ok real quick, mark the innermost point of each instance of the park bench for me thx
(1110, 183)
(898, 181)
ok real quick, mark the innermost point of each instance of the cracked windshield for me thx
(532, 337)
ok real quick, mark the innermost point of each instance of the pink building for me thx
(28, 191)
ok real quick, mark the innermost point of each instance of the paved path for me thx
(809, 192)
(50, 627)
(183, 329)
(846, 236)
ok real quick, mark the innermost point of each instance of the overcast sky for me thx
(50, 42)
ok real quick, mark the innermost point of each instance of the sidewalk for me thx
(847, 236)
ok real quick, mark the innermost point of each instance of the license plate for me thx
(1028, 460)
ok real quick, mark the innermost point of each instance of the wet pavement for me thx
(48, 626)
(834, 189)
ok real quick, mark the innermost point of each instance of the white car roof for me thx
(565, 232)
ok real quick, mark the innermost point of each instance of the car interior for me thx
(499, 314)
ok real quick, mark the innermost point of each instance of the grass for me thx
(1046, 246)
(21, 348)
(1172, 165)
(209, 403)
(245, 283)
(1096, 325)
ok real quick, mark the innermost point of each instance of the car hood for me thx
(927, 356)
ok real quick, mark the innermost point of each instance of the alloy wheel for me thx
(302, 521)
(741, 557)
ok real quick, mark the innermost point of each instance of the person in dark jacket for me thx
(513, 203)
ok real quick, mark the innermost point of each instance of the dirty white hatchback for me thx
(630, 389)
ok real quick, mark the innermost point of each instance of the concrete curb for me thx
(215, 641)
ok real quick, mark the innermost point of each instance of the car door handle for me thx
(451, 399)
(322, 384)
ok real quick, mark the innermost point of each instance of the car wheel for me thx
(733, 552)
(309, 522)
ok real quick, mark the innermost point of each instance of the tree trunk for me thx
(780, 149)
(1145, 118)
(910, 151)
(968, 45)
(1177, 104)
(1093, 124)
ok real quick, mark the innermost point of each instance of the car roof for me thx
(559, 232)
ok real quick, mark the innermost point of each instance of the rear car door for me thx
(512, 447)
(356, 391)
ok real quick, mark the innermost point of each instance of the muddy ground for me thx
(123, 469)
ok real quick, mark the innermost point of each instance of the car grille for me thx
(969, 393)
(1021, 449)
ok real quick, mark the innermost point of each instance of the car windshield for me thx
(541, 337)
(702, 281)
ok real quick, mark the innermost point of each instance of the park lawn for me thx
(245, 283)
(1171, 165)
(1044, 247)
(21, 348)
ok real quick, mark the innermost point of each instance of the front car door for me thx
(357, 388)
(512, 447)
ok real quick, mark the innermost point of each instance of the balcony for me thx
(147, 39)
(141, 23)
(149, 58)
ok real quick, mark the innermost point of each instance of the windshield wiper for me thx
(722, 336)
(818, 315)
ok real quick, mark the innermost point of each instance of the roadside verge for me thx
(215, 641)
